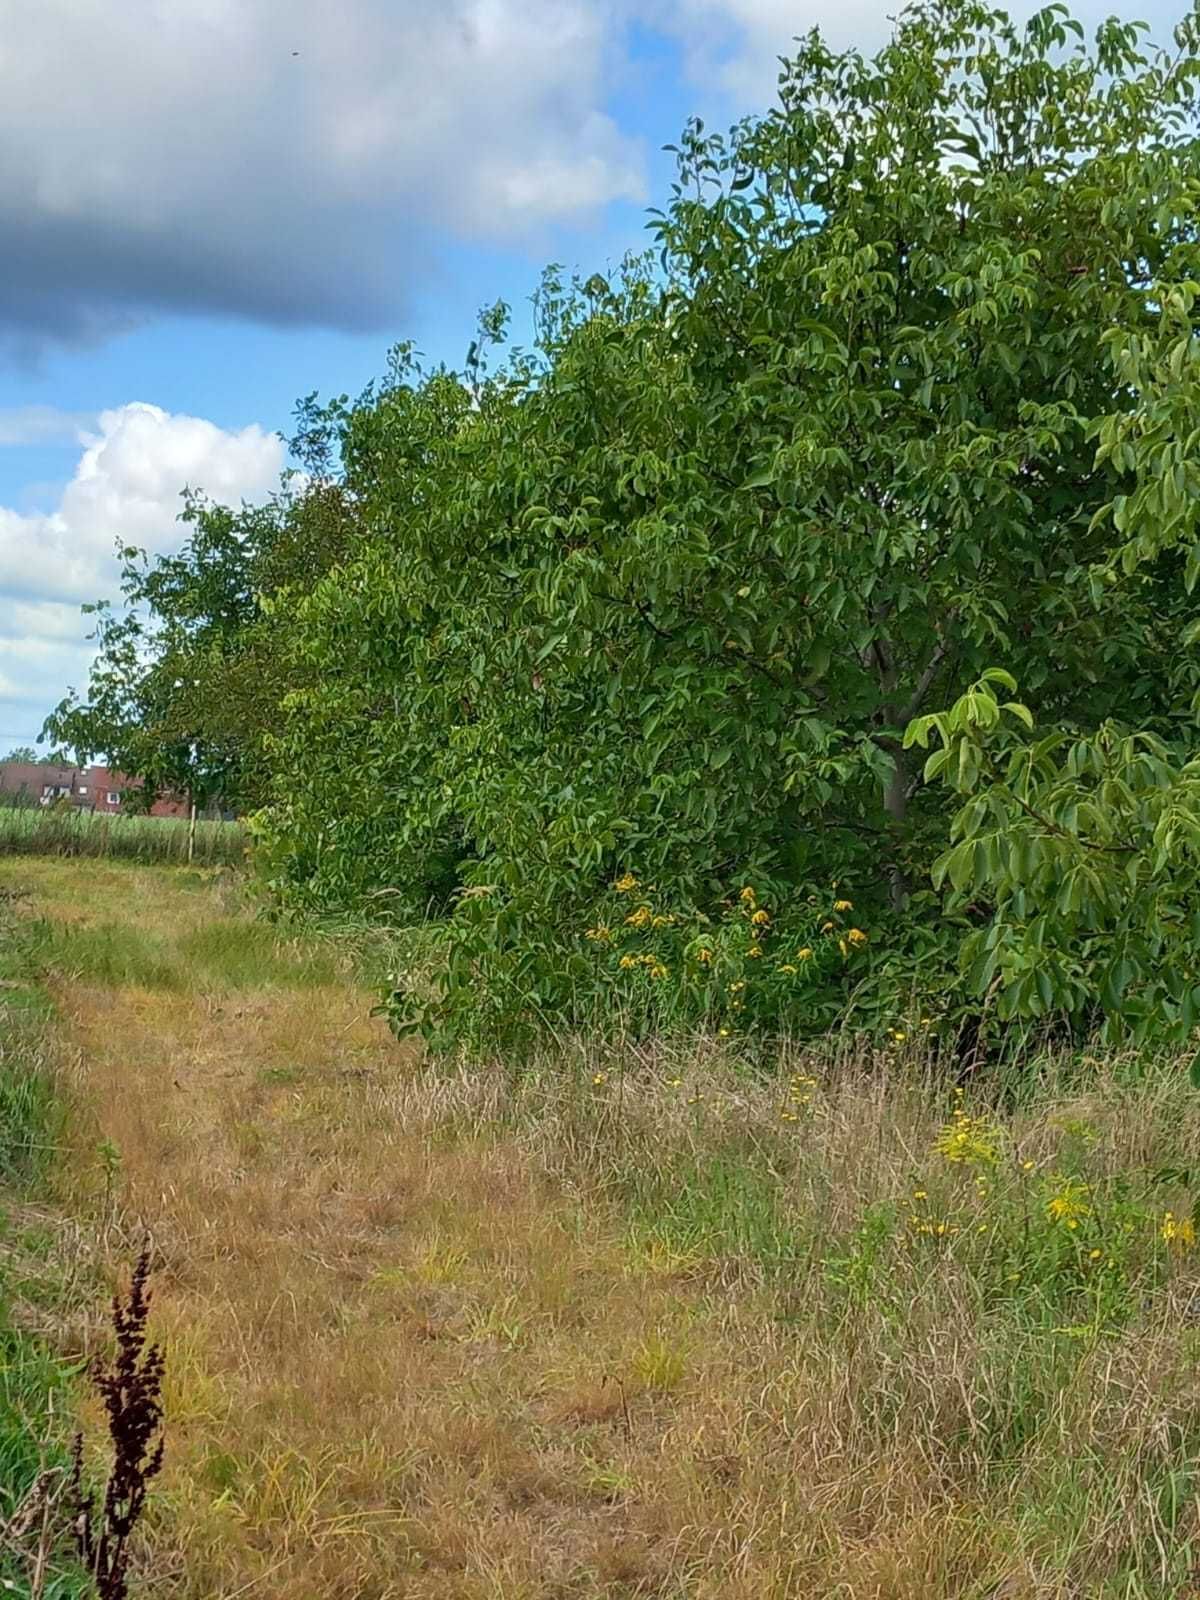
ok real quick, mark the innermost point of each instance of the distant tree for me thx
(185, 682)
(23, 752)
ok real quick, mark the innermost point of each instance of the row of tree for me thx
(892, 440)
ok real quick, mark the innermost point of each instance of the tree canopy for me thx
(905, 392)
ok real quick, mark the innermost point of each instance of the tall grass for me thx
(628, 1318)
(34, 1383)
(55, 831)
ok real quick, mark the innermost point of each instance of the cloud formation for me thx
(736, 44)
(302, 163)
(126, 486)
(25, 425)
(289, 161)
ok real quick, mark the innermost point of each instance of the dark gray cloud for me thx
(288, 161)
(300, 162)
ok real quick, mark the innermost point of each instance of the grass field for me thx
(639, 1324)
(39, 1291)
(49, 830)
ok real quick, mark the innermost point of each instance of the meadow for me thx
(635, 1320)
(67, 831)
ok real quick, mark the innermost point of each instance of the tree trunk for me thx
(895, 803)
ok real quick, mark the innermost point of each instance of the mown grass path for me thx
(623, 1326)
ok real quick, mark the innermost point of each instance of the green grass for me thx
(223, 953)
(47, 830)
(719, 1204)
(35, 1386)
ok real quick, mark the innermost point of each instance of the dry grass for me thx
(631, 1326)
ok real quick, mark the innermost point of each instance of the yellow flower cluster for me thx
(626, 884)
(799, 1097)
(653, 965)
(930, 1228)
(1069, 1206)
(599, 935)
(1179, 1232)
(970, 1141)
(761, 918)
(641, 918)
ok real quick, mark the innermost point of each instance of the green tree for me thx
(896, 399)
(185, 682)
(1085, 851)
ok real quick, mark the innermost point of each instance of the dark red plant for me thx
(131, 1388)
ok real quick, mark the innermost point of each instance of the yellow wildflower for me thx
(748, 896)
(805, 954)
(843, 947)
(788, 969)
(626, 884)
(704, 957)
(843, 905)
(736, 988)
(601, 1077)
(626, 962)
(970, 1140)
(1178, 1231)
(827, 927)
(1069, 1206)
(754, 952)
(761, 918)
(662, 922)
(639, 918)
(600, 935)
(657, 970)
(722, 1033)
(856, 936)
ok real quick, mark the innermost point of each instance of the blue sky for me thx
(253, 199)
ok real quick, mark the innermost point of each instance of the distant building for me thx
(87, 788)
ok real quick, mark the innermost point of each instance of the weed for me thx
(131, 1389)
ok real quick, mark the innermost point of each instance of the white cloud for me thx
(126, 486)
(289, 160)
(735, 45)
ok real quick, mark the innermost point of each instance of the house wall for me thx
(88, 788)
